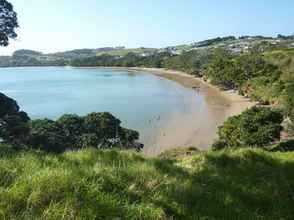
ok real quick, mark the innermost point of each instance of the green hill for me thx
(125, 51)
(95, 184)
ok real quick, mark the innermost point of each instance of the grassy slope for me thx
(92, 184)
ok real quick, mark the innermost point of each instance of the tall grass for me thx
(93, 184)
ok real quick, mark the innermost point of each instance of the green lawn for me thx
(92, 184)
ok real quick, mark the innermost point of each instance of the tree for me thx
(8, 22)
(73, 127)
(255, 127)
(13, 122)
(89, 140)
(47, 135)
(220, 69)
(104, 125)
(8, 106)
(69, 132)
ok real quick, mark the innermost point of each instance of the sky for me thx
(59, 25)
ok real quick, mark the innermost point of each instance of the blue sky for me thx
(57, 25)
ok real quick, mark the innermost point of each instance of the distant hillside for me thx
(236, 45)
(35, 58)
(124, 51)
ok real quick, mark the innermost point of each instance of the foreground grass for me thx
(92, 184)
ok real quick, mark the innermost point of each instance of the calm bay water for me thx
(164, 112)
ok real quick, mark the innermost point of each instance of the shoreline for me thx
(222, 104)
(195, 129)
(191, 81)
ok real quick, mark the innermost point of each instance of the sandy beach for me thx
(198, 128)
(191, 81)
(222, 104)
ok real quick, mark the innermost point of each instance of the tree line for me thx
(69, 132)
(251, 74)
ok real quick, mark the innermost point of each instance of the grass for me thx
(92, 184)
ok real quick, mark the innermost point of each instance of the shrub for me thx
(284, 146)
(98, 130)
(13, 122)
(47, 135)
(254, 127)
(289, 100)
(219, 145)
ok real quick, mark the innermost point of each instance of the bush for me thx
(284, 146)
(254, 127)
(47, 135)
(289, 100)
(98, 130)
(219, 145)
(68, 132)
(13, 122)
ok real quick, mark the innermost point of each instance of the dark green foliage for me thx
(88, 140)
(218, 145)
(98, 130)
(255, 127)
(250, 66)
(68, 132)
(14, 127)
(8, 106)
(8, 22)
(47, 135)
(127, 137)
(244, 72)
(72, 125)
(220, 69)
(104, 125)
(284, 146)
(288, 96)
(192, 62)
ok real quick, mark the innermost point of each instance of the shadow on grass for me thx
(249, 185)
